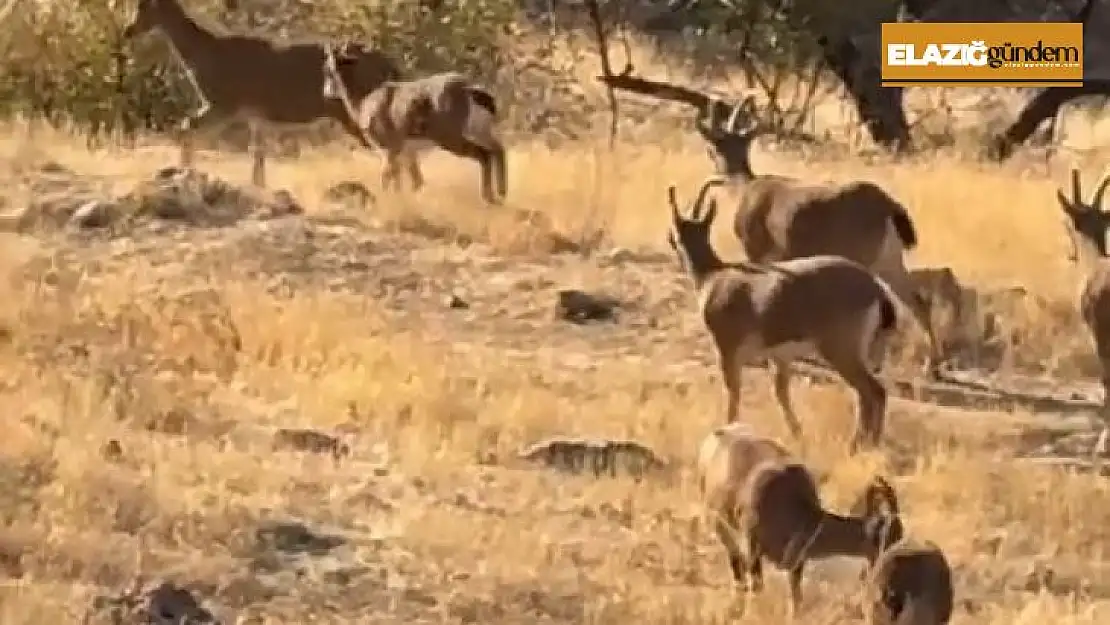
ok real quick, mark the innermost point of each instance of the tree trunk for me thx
(1045, 104)
(879, 108)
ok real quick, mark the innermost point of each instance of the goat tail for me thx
(483, 98)
(889, 314)
(903, 225)
(888, 308)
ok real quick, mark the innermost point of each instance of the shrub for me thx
(66, 62)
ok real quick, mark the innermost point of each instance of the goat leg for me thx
(486, 164)
(391, 172)
(796, 588)
(782, 376)
(462, 147)
(871, 395)
(755, 562)
(501, 165)
(730, 374)
(206, 117)
(258, 154)
(1098, 452)
(412, 164)
(185, 136)
(903, 286)
(727, 535)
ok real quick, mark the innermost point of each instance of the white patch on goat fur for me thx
(892, 252)
(892, 296)
(873, 319)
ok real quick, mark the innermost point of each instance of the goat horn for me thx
(711, 112)
(672, 197)
(714, 181)
(1096, 199)
(1076, 193)
(734, 120)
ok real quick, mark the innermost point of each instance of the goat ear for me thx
(672, 199)
(1065, 203)
(711, 212)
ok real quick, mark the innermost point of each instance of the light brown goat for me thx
(756, 494)
(260, 80)
(1087, 226)
(779, 218)
(445, 109)
(826, 304)
(909, 584)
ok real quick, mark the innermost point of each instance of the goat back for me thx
(727, 457)
(782, 218)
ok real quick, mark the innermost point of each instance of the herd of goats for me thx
(825, 273)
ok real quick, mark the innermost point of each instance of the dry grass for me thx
(100, 343)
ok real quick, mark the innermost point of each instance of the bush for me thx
(66, 62)
(779, 34)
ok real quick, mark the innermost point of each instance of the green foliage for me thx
(776, 32)
(66, 62)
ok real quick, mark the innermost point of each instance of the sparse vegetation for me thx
(311, 404)
(94, 80)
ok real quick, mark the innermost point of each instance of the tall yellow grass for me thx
(437, 536)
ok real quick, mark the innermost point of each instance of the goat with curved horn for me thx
(766, 310)
(1087, 225)
(780, 218)
(448, 110)
(757, 496)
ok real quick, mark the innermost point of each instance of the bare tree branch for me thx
(658, 89)
(606, 67)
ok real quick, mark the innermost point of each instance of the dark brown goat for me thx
(261, 81)
(757, 494)
(446, 109)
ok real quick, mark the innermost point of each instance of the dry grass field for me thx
(189, 346)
